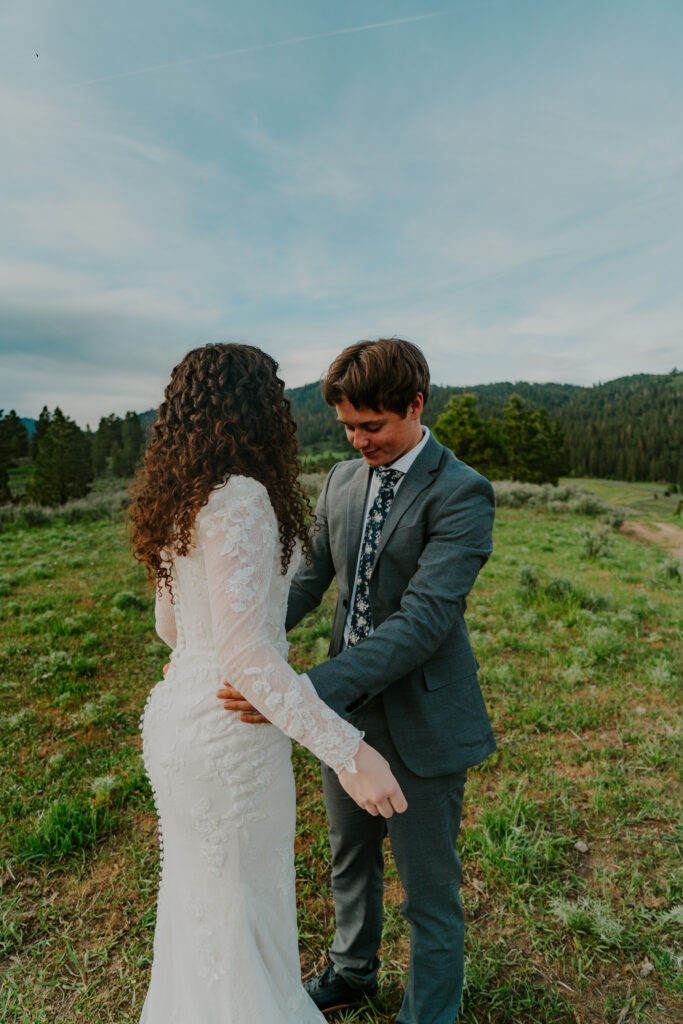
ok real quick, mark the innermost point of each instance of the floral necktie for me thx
(361, 618)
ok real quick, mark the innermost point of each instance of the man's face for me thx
(381, 437)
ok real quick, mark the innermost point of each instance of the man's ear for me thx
(416, 406)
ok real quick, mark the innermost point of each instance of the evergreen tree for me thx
(475, 441)
(5, 459)
(523, 446)
(118, 460)
(520, 432)
(558, 456)
(16, 433)
(42, 425)
(535, 448)
(63, 463)
(109, 432)
(132, 441)
(99, 455)
(121, 441)
(546, 460)
(13, 445)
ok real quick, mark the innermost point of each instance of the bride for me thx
(219, 519)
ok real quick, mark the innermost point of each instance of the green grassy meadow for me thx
(571, 839)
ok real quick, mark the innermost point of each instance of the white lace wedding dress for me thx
(225, 945)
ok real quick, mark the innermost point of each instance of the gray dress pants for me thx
(423, 844)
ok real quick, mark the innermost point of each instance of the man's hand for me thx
(234, 701)
(373, 785)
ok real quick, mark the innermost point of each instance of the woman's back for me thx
(238, 519)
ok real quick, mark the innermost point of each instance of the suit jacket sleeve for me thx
(315, 576)
(458, 543)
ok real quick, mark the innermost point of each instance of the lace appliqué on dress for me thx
(209, 966)
(214, 831)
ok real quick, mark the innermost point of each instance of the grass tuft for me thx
(68, 824)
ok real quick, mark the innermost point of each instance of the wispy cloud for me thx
(260, 48)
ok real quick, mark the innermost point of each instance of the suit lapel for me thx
(355, 520)
(420, 475)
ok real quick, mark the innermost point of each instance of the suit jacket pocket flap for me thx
(442, 671)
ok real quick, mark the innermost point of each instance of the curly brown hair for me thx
(224, 412)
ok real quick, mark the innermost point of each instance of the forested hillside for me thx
(627, 429)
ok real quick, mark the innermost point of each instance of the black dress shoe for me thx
(330, 992)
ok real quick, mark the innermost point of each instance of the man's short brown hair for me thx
(384, 374)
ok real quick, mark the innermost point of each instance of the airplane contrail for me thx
(258, 47)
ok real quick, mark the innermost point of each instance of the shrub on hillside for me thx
(96, 506)
(535, 589)
(596, 543)
(510, 494)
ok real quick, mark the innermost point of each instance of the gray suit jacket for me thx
(435, 540)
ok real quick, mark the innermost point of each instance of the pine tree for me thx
(475, 441)
(17, 434)
(109, 433)
(520, 432)
(535, 447)
(99, 456)
(42, 425)
(5, 459)
(118, 460)
(121, 441)
(523, 446)
(132, 442)
(545, 460)
(63, 463)
(13, 445)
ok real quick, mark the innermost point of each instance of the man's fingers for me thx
(238, 705)
(384, 807)
(253, 717)
(399, 802)
(228, 692)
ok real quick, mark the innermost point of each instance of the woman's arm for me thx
(239, 537)
(164, 616)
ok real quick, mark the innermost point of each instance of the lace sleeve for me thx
(238, 534)
(164, 617)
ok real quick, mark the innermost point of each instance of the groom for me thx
(405, 531)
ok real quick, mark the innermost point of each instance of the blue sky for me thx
(500, 182)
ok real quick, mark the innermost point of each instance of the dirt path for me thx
(665, 534)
